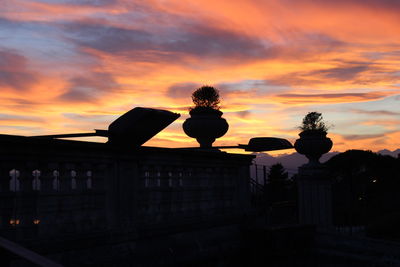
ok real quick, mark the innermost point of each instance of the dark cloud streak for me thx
(14, 71)
(182, 90)
(243, 114)
(341, 73)
(362, 136)
(369, 95)
(9, 117)
(87, 88)
(199, 41)
(338, 74)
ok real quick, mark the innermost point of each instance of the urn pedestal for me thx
(314, 183)
(205, 126)
(313, 144)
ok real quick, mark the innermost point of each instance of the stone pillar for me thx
(315, 196)
(314, 183)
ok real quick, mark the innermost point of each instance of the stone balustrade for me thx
(58, 188)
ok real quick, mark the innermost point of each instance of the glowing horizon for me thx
(72, 66)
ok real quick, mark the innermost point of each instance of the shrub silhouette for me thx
(206, 97)
(313, 121)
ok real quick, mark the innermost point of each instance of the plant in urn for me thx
(313, 142)
(205, 122)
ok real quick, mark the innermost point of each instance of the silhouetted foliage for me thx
(277, 173)
(366, 190)
(313, 121)
(206, 97)
(278, 187)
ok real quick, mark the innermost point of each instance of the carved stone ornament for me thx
(313, 144)
(205, 126)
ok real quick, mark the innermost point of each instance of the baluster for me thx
(73, 180)
(56, 180)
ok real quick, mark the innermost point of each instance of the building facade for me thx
(79, 201)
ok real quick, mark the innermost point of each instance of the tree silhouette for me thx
(276, 189)
(313, 121)
(366, 191)
(277, 173)
(206, 97)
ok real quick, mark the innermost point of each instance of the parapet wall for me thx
(54, 190)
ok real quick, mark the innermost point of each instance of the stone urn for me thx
(313, 144)
(205, 125)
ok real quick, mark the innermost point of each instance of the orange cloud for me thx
(70, 66)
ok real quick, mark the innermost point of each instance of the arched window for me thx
(73, 180)
(146, 179)
(180, 179)
(14, 181)
(89, 180)
(36, 184)
(158, 179)
(170, 184)
(56, 180)
(14, 222)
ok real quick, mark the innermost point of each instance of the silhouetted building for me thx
(82, 202)
(121, 204)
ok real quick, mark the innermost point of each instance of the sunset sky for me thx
(75, 65)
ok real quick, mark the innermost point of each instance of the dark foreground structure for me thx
(82, 203)
(71, 203)
(74, 203)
